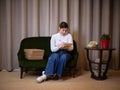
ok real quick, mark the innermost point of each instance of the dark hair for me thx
(63, 25)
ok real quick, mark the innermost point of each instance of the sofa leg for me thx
(21, 72)
(73, 71)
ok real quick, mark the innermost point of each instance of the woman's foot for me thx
(53, 77)
(41, 78)
(43, 72)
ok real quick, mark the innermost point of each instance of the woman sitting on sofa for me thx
(61, 44)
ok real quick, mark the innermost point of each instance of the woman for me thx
(61, 44)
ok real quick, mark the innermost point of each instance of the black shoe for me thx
(56, 77)
(53, 77)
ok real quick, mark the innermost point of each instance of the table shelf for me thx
(103, 62)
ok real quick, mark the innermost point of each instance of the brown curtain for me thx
(87, 19)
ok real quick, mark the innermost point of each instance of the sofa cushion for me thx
(34, 54)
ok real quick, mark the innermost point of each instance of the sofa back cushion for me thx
(34, 54)
(37, 43)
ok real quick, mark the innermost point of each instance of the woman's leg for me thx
(50, 68)
(63, 59)
(52, 64)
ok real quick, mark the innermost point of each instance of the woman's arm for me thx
(53, 45)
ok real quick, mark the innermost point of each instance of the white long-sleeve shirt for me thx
(58, 38)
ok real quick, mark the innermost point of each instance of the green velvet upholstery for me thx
(40, 43)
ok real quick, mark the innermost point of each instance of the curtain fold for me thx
(87, 19)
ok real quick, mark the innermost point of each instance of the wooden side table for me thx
(101, 74)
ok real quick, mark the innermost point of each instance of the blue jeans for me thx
(57, 62)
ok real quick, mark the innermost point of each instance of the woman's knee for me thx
(53, 56)
(65, 57)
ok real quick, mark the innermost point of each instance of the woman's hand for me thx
(61, 46)
(64, 45)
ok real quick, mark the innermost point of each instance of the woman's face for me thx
(63, 31)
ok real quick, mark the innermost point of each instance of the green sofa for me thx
(40, 43)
